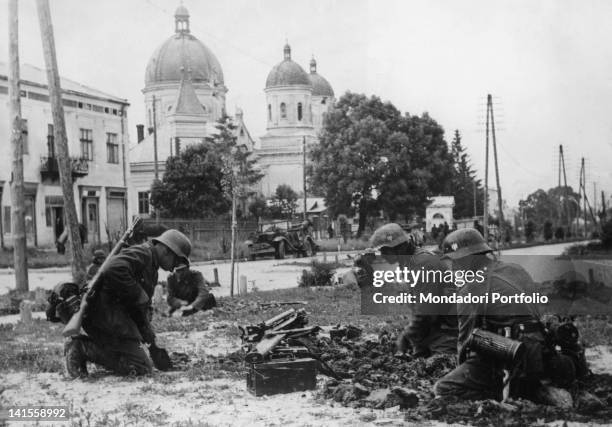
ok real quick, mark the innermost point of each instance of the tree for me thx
(548, 230)
(285, 198)
(258, 207)
(464, 182)
(552, 205)
(199, 181)
(371, 153)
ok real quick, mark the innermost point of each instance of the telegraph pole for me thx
(485, 216)
(304, 174)
(17, 198)
(565, 200)
(499, 194)
(155, 166)
(61, 141)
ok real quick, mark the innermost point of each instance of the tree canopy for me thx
(372, 154)
(200, 180)
(560, 205)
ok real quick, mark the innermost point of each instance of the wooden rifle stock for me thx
(73, 327)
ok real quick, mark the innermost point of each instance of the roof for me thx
(30, 74)
(320, 86)
(182, 50)
(187, 101)
(287, 73)
(313, 204)
(441, 201)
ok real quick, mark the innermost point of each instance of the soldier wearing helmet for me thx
(427, 333)
(98, 258)
(480, 375)
(119, 317)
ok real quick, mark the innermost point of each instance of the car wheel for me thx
(280, 250)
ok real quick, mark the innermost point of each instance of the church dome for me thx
(183, 51)
(320, 86)
(287, 73)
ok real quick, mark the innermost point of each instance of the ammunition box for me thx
(282, 376)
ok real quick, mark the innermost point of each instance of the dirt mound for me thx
(375, 378)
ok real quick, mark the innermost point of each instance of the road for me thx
(266, 274)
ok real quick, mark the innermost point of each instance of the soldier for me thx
(188, 292)
(98, 258)
(427, 333)
(118, 318)
(479, 375)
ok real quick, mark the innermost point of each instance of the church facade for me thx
(295, 104)
(184, 97)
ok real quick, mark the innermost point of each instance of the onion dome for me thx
(320, 86)
(287, 73)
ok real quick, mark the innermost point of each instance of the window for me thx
(50, 141)
(24, 137)
(112, 148)
(283, 110)
(143, 202)
(87, 144)
(269, 112)
(7, 219)
(299, 111)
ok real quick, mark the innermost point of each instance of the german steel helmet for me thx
(389, 235)
(176, 241)
(464, 242)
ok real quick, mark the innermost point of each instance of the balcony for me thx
(49, 168)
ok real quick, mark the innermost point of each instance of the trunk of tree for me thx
(17, 197)
(61, 142)
(363, 216)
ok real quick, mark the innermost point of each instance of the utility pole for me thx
(155, 166)
(583, 190)
(499, 194)
(474, 190)
(17, 197)
(304, 174)
(485, 216)
(566, 195)
(61, 141)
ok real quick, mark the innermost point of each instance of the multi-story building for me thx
(96, 127)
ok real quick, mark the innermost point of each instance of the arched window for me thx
(299, 111)
(269, 112)
(438, 216)
(283, 110)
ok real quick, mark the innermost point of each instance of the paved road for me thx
(266, 274)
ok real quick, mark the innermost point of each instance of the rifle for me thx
(73, 327)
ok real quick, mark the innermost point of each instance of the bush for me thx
(548, 230)
(320, 274)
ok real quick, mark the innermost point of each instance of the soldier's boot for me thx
(75, 358)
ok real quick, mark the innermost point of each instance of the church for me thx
(296, 102)
(185, 95)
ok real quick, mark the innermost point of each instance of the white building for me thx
(296, 102)
(96, 126)
(184, 97)
(439, 211)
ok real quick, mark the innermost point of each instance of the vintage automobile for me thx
(296, 239)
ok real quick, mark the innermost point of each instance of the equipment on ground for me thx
(73, 327)
(497, 347)
(278, 362)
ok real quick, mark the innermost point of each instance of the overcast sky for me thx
(548, 65)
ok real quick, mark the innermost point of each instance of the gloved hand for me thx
(148, 336)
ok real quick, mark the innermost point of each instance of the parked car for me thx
(297, 240)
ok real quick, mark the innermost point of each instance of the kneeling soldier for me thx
(188, 292)
(118, 319)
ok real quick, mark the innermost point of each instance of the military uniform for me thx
(479, 377)
(118, 317)
(190, 288)
(432, 330)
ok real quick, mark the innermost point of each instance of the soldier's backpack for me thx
(64, 301)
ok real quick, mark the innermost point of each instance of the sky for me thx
(547, 64)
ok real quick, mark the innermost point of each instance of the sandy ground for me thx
(168, 398)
